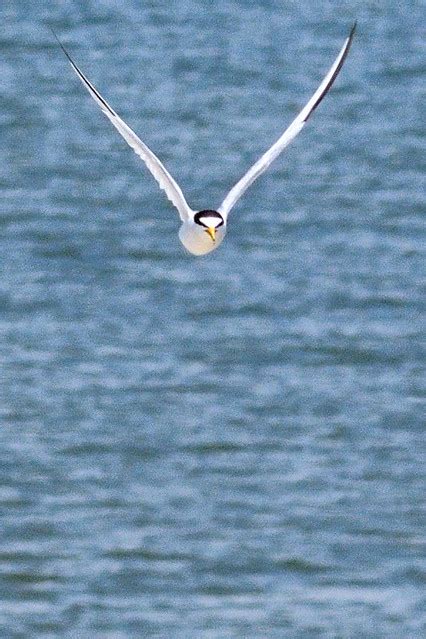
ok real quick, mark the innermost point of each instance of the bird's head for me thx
(209, 221)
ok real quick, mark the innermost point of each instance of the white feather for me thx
(289, 134)
(158, 170)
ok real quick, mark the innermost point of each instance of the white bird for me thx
(202, 231)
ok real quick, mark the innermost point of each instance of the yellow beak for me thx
(212, 232)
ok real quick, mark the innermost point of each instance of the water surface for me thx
(227, 446)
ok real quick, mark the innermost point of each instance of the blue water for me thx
(227, 446)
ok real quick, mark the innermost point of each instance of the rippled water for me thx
(227, 446)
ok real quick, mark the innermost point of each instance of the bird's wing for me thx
(160, 173)
(289, 134)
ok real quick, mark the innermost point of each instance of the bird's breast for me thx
(197, 241)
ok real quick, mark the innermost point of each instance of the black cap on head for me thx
(208, 213)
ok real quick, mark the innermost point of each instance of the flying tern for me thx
(203, 231)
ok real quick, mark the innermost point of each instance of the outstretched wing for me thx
(289, 134)
(160, 173)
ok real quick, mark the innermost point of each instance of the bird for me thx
(203, 231)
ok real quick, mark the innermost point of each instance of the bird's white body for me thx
(203, 231)
(197, 241)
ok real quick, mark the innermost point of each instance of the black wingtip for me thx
(70, 60)
(347, 46)
(60, 43)
(55, 36)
